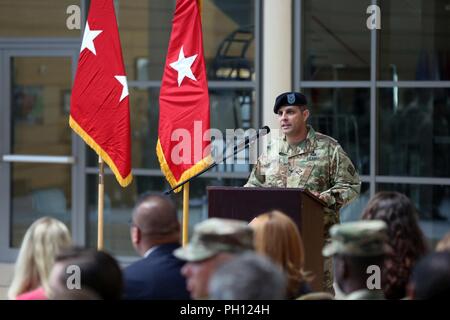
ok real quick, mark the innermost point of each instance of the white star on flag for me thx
(183, 66)
(88, 38)
(123, 82)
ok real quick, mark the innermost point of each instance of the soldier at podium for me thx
(304, 158)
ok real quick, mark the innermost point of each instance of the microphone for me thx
(250, 140)
(261, 132)
(265, 128)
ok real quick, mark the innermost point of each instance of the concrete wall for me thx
(277, 55)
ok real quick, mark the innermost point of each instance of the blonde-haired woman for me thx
(277, 237)
(44, 239)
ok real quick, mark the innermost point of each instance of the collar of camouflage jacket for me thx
(308, 145)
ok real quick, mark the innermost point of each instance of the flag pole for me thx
(101, 191)
(186, 186)
(185, 213)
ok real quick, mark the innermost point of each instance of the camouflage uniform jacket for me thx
(318, 164)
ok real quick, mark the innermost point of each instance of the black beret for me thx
(289, 99)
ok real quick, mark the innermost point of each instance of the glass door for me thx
(37, 157)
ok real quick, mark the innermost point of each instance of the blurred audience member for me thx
(444, 243)
(316, 296)
(405, 238)
(431, 278)
(249, 276)
(277, 237)
(98, 272)
(214, 242)
(78, 294)
(358, 250)
(155, 234)
(43, 240)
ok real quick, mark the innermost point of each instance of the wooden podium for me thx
(301, 205)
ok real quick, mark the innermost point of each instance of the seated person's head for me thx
(44, 239)
(358, 250)
(86, 269)
(79, 294)
(154, 221)
(431, 277)
(249, 276)
(214, 242)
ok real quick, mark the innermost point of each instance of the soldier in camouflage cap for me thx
(214, 242)
(358, 249)
(216, 235)
(360, 238)
(304, 158)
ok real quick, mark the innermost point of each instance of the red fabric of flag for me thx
(183, 146)
(99, 109)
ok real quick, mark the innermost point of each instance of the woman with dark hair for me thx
(405, 238)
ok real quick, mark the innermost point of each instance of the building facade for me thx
(384, 94)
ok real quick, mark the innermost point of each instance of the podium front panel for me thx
(306, 211)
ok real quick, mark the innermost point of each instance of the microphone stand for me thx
(236, 150)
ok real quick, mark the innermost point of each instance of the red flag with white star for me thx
(183, 146)
(99, 108)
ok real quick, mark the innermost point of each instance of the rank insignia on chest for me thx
(312, 157)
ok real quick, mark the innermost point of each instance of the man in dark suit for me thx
(155, 234)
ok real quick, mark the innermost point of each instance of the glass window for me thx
(228, 37)
(354, 209)
(38, 190)
(40, 95)
(414, 132)
(119, 204)
(231, 109)
(414, 40)
(432, 203)
(144, 115)
(344, 114)
(336, 41)
(30, 18)
(40, 103)
(145, 27)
